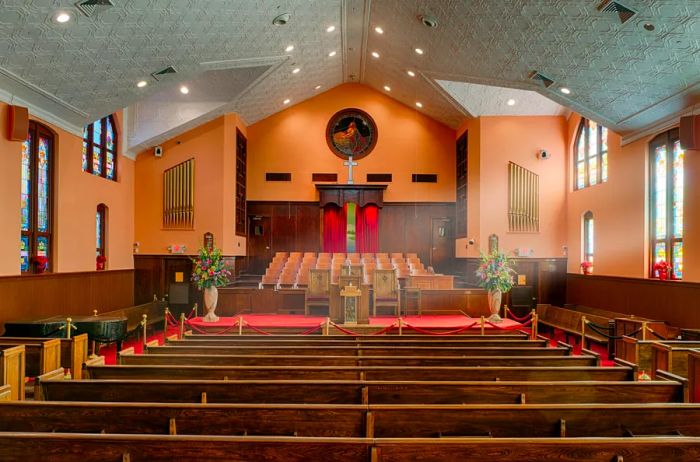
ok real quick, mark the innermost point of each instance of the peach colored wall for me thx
(294, 141)
(691, 225)
(76, 196)
(518, 139)
(213, 147)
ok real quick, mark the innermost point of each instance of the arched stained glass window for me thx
(100, 148)
(588, 237)
(667, 159)
(590, 154)
(35, 200)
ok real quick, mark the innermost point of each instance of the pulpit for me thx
(351, 302)
(337, 303)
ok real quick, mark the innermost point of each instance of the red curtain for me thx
(367, 229)
(335, 224)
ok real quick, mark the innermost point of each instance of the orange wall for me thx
(213, 147)
(294, 141)
(76, 196)
(691, 225)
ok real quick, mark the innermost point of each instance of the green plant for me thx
(209, 269)
(494, 272)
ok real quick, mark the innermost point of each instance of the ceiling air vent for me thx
(164, 72)
(92, 7)
(546, 81)
(623, 12)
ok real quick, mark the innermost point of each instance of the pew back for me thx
(12, 367)
(42, 355)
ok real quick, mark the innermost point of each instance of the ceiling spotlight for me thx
(387, 87)
(282, 19)
(411, 73)
(142, 84)
(510, 102)
(565, 90)
(428, 20)
(61, 17)
(379, 30)
(419, 104)
(419, 51)
(330, 28)
(317, 87)
(289, 48)
(331, 54)
(375, 54)
(286, 101)
(296, 70)
(649, 26)
(184, 90)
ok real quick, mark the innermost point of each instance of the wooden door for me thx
(442, 245)
(259, 243)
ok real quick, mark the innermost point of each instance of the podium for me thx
(351, 302)
(337, 305)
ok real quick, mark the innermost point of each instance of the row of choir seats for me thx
(291, 269)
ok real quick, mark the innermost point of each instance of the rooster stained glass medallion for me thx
(351, 132)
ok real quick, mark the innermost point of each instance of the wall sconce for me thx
(136, 247)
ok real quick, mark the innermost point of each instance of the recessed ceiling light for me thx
(419, 51)
(286, 101)
(296, 70)
(375, 54)
(282, 19)
(184, 90)
(61, 17)
(649, 26)
(510, 102)
(142, 84)
(289, 48)
(419, 104)
(387, 87)
(331, 54)
(411, 73)
(379, 30)
(330, 28)
(318, 87)
(565, 90)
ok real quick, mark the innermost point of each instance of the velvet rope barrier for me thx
(496, 326)
(255, 329)
(523, 319)
(386, 329)
(450, 332)
(343, 330)
(202, 331)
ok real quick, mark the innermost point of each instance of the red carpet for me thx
(558, 336)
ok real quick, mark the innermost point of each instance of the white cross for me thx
(350, 164)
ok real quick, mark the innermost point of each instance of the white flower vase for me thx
(211, 296)
(494, 297)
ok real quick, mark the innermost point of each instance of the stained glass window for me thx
(100, 225)
(100, 148)
(666, 201)
(35, 198)
(588, 237)
(591, 156)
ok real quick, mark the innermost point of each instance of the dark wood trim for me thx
(361, 194)
(60, 275)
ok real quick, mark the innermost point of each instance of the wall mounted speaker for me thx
(19, 123)
(690, 132)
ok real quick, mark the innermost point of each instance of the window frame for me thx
(37, 130)
(90, 129)
(587, 218)
(667, 138)
(584, 125)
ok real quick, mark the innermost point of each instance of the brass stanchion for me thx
(165, 325)
(240, 325)
(400, 326)
(533, 326)
(583, 332)
(483, 325)
(68, 327)
(644, 330)
(505, 311)
(327, 326)
(144, 329)
(182, 325)
(195, 309)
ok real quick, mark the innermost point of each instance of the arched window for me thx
(590, 154)
(100, 148)
(36, 200)
(666, 202)
(101, 236)
(588, 237)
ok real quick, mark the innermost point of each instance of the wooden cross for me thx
(350, 164)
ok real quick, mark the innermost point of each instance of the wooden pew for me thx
(67, 447)
(127, 357)
(671, 357)
(440, 342)
(640, 352)
(569, 321)
(354, 420)
(466, 335)
(487, 373)
(42, 355)
(361, 351)
(12, 369)
(73, 352)
(6, 393)
(356, 392)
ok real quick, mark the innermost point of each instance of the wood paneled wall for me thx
(296, 226)
(51, 294)
(546, 276)
(676, 302)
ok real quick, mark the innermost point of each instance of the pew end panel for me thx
(670, 377)
(125, 352)
(53, 376)
(77, 354)
(633, 366)
(12, 369)
(586, 352)
(694, 376)
(97, 361)
(5, 393)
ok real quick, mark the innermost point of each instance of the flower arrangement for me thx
(586, 267)
(100, 262)
(41, 262)
(663, 269)
(495, 273)
(209, 269)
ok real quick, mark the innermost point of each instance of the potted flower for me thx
(663, 269)
(586, 267)
(210, 272)
(100, 262)
(496, 276)
(41, 263)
